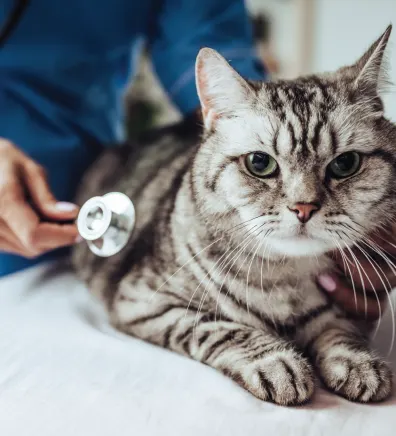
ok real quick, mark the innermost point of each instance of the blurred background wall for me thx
(321, 35)
(344, 29)
(292, 37)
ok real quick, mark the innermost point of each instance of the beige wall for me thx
(345, 28)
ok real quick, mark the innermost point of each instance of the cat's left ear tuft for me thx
(370, 69)
(221, 90)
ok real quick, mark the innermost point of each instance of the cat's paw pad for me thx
(361, 377)
(285, 378)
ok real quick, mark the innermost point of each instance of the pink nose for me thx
(304, 211)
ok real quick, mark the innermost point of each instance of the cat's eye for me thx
(261, 164)
(345, 165)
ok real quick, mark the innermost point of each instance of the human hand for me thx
(21, 230)
(373, 278)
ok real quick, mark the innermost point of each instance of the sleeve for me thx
(182, 27)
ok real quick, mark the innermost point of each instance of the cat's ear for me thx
(221, 90)
(370, 70)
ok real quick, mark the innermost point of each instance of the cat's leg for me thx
(345, 363)
(264, 364)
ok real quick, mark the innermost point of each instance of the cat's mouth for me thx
(296, 237)
(301, 231)
(298, 232)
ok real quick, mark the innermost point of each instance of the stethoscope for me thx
(106, 223)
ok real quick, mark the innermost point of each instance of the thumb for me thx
(36, 182)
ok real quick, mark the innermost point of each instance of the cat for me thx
(234, 220)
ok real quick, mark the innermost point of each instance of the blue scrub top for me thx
(63, 69)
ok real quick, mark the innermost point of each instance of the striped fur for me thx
(218, 267)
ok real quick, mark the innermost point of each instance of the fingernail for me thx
(79, 239)
(63, 206)
(327, 283)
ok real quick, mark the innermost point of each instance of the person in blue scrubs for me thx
(63, 68)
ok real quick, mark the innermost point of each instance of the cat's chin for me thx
(298, 246)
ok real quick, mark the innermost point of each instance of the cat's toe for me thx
(361, 378)
(285, 378)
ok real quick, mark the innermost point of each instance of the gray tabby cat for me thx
(232, 228)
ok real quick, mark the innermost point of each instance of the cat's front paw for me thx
(360, 377)
(285, 378)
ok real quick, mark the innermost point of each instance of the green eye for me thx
(345, 165)
(261, 164)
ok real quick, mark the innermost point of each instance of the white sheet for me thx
(63, 371)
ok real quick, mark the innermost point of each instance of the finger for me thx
(354, 304)
(47, 237)
(50, 236)
(42, 196)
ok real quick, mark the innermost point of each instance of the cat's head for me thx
(307, 165)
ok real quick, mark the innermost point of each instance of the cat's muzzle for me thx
(106, 223)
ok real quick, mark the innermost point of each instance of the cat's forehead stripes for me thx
(302, 97)
(302, 110)
(315, 140)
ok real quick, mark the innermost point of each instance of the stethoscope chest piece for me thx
(106, 223)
